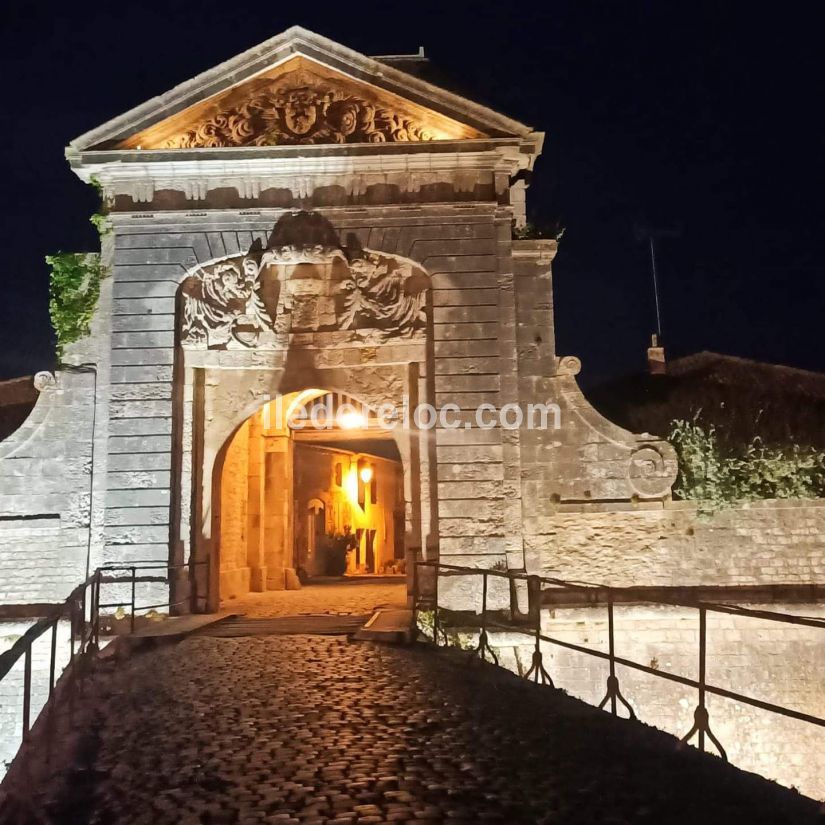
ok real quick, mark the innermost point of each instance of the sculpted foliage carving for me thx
(301, 108)
(222, 304)
(305, 280)
(383, 294)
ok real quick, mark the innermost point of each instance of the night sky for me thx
(707, 117)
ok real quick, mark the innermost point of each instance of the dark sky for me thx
(704, 116)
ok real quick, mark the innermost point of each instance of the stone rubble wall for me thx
(674, 545)
(45, 476)
(53, 473)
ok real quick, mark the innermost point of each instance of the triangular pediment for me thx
(298, 89)
(299, 102)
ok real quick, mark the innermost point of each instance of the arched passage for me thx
(308, 487)
(301, 308)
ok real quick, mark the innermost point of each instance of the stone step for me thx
(319, 624)
(390, 625)
(177, 626)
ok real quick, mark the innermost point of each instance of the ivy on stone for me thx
(74, 285)
(531, 231)
(100, 219)
(721, 477)
(74, 289)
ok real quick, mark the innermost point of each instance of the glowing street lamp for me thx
(351, 420)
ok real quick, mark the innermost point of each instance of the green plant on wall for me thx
(425, 622)
(74, 285)
(531, 231)
(719, 477)
(74, 288)
(100, 219)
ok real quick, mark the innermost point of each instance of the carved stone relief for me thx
(303, 281)
(652, 469)
(301, 107)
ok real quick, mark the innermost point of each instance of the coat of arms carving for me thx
(304, 280)
(302, 107)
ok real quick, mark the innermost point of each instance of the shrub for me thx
(719, 477)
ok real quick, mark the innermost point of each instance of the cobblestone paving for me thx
(358, 596)
(310, 729)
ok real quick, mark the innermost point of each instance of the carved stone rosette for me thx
(300, 285)
(301, 108)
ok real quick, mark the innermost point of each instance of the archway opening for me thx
(309, 492)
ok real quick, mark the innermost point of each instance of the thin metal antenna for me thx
(655, 287)
(648, 233)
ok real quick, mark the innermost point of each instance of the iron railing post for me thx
(611, 643)
(53, 656)
(703, 630)
(95, 630)
(72, 629)
(614, 694)
(132, 620)
(537, 669)
(27, 690)
(483, 647)
(484, 603)
(701, 718)
(415, 599)
(83, 619)
(435, 603)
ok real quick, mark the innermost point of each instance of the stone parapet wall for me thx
(673, 545)
(770, 661)
(53, 473)
(45, 493)
(11, 687)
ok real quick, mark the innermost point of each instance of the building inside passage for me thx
(301, 475)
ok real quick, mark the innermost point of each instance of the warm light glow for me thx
(366, 474)
(351, 483)
(351, 420)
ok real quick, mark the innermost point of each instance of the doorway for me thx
(303, 497)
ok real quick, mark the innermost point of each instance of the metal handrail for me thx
(82, 608)
(531, 625)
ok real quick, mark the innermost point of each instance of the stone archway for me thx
(280, 462)
(299, 310)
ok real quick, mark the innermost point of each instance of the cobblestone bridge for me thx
(320, 729)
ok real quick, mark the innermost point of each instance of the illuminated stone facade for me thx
(301, 218)
(251, 263)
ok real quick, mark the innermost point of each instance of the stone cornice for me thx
(250, 171)
(538, 250)
(199, 219)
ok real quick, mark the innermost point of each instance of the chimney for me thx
(656, 363)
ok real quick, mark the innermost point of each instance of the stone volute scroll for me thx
(304, 280)
(44, 381)
(614, 464)
(652, 469)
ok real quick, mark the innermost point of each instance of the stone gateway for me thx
(305, 222)
(322, 347)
